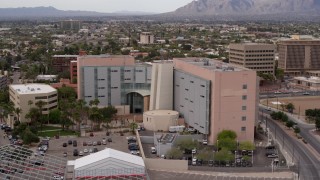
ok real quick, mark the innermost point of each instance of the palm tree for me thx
(40, 105)
(18, 111)
(95, 116)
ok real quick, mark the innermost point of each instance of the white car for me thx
(90, 150)
(153, 150)
(306, 93)
(135, 152)
(94, 143)
(104, 141)
(194, 151)
(194, 161)
(57, 177)
(85, 151)
(81, 153)
(205, 142)
(277, 92)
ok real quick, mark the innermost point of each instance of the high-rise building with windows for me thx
(114, 80)
(298, 56)
(213, 96)
(146, 38)
(256, 56)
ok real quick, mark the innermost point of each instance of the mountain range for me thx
(40, 12)
(248, 7)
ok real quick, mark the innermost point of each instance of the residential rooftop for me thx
(311, 79)
(32, 88)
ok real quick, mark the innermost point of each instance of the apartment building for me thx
(22, 94)
(61, 63)
(71, 25)
(146, 38)
(297, 56)
(213, 96)
(73, 71)
(115, 80)
(255, 56)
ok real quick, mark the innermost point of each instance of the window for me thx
(244, 107)
(244, 86)
(243, 129)
(114, 70)
(244, 118)
(41, 97)
(244, 97)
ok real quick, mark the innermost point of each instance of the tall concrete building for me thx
(71, 25)
(258, 57)
(161, 97)
(298, 56)
(146, 38)
(214, 96)
(114, 80)
(22, 94)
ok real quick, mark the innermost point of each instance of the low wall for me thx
(166, 164)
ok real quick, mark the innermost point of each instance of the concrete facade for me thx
(146, 38)
(161, 86)
(160, 119)
(61, 63)
(3, 81)
(298, 56)
(20, 95)
(258, 57)
(114, 80)
(225, 95)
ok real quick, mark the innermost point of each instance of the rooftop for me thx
(66, 56)
(32, 88)
(161, 112)
(103, 56)
(213, 65)
(108, 153)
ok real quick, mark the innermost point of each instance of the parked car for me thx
(210, 163)
(135, 152)
(194, 161)
(64, 144)
(194, 151)
(95, 150)
(69, 142)
(205, 142)
(306, 93)
(84, 143)
(109, 139)
(65, 154)
(104, 141)
(94, 143)
(98, 142)
(153, 150)
(89, 143)
(75, 152)
(74, 143)
(81, 153)
(57, 177)
(91, 135)
(90, 150)
(85, 151)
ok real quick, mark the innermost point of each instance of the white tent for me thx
(109, 163)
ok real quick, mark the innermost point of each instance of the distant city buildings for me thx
(146, 38)
(297, 57)
(61, 63)
(25, 96)
(74, 25)
(307, 83)
(258, 57)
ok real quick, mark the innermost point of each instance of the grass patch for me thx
(45, 128)
(59, 132)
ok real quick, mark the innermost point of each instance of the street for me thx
(306, 162)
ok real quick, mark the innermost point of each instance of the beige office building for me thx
(22, 94)
(146, 38)
(258, 57)
(298, 56)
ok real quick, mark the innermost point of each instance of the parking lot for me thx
(56, 148)
(164, 175)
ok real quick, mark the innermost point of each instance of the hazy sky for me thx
(101, 5)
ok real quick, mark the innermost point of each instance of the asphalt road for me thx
(307, 164)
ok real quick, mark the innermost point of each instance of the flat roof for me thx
(104, 56)
(32, 88)
(213, 65)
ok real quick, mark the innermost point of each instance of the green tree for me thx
(174, 153)
(205, 155)
(18, 111)
(317, 123)
(108, 113)
(187, 144)
(290, 107)
(227, 134)
(289, 124)
(246, 145)
(28, 137)
(54, 116)
(297, 130)
(223, 155)
(133, 126)
(227, 143)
